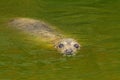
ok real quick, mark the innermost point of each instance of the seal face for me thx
(68, 46)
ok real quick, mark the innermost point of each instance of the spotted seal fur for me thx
(66, 46)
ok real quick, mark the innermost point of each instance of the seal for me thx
(66, 46)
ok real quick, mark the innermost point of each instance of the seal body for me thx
(35, 27)
(66, 46)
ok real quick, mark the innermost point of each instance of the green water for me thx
(94, 23)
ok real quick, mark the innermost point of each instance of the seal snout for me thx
(69, 51)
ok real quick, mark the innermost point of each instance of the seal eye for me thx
(61, 45)
(76, 45)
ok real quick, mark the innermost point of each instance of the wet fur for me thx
(40, 29)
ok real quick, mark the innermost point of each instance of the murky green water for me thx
(94, 23)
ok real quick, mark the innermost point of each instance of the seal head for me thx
(68, 46)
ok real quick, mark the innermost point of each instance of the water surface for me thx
(95, 24)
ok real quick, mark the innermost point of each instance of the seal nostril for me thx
(69, 51)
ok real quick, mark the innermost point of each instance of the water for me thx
(95, 24)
